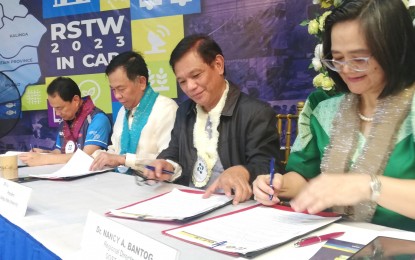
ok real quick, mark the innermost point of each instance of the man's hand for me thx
(235, 178)
(157, 174)
(107, 159)
(33, 158)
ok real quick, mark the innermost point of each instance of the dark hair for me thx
(390, 37)
(205, 46)
(66, 88)
(133, 63)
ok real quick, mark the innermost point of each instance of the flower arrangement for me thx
(316, 28)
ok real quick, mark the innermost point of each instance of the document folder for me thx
(176, 205)
(251, 231)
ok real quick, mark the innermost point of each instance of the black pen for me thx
(154, 169)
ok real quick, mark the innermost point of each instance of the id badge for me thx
(201, 173)
(70, 147)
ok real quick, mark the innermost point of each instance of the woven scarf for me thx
(71, 132)
(206, 145)
(131, 137)
(388, 118)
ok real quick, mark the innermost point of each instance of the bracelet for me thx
(375, 186)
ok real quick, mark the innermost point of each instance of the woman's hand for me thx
(263, 192)
(330, 189)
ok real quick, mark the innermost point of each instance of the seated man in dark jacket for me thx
(222, 139)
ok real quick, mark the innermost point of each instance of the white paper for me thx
(175, 205)
(251, 230)
(77, 166)
(14, 198)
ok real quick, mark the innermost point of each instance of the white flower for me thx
(318, 55)
(318, 51)
(316, 64)
(316, 2)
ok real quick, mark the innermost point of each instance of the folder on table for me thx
(251, 231)
(176, 205)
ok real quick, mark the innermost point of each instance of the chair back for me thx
(288, 129)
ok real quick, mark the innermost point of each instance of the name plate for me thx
(14, 198)
(106, 239)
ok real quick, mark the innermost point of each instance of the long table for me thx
(58, 210)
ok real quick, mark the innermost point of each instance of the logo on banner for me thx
(162, 78)
(180, 2)
(59, 3)
(34, 98)
(68, 7)
(141, 9)
(156, 39)
(150, 4)
(53, 119)
(159, 80)
(90, 88)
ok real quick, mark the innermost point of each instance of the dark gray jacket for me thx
(247, 136)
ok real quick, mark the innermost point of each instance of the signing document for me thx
(177, 205)
(250, 231)
(77, 166)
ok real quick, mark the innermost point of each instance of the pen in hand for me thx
(271, 175)
(152, 168)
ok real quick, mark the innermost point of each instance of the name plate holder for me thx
(106, 239)
(14, 198)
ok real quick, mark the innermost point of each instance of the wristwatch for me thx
(375, 186)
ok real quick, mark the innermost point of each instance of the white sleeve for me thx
(115, 147)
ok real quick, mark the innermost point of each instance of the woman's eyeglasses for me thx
(356, 64)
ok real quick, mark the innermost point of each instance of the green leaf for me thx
(304, 23)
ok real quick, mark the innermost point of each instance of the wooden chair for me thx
(287, 128)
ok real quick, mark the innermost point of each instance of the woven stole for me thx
(389, 116)
(71, 133)
(131, 137)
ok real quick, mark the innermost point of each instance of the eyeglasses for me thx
(141, 180)
(356, 64)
